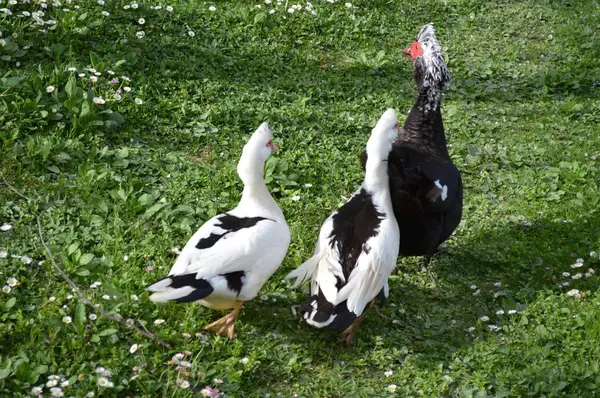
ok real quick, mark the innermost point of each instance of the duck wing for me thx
(222, 254)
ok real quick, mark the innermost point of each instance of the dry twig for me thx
(72, 284)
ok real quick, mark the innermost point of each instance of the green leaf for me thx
(146, 199)
(4, 373)
(154, 209)
(54, 169)
(79, 317)
(83, 272)
(86, 258)
(72, 247)
(107, 332)
(95, 338)
(10, 303)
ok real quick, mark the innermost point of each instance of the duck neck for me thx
(376, 174)
(424, 126)
(256, 195)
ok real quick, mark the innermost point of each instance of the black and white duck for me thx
(231, 256)
(357, 246)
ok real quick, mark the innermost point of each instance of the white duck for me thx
(357, 246)
(232, 255)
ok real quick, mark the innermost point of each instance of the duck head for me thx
(255, 153)
(429, 66)
(382, 136)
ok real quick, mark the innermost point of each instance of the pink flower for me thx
(209, 392)
(573, 254)
(149, 268)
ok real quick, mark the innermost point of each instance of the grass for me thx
(119, 184)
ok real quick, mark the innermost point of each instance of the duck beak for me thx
(272, 147)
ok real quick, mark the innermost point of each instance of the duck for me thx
(425, 185)
(231, 256)
(357, 247)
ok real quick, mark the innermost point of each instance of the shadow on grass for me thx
(430, 310)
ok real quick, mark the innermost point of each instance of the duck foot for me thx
(347, 335)
(225, 326)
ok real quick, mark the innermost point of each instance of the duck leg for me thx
(347, 335)
(225, 325)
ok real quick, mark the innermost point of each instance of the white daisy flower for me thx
(56, 392)
(101, 2)
(218, 381)
(473, 287)
(349, 5)
(3, 254)
(67, 319)
(244, 361)
(90, 394)
(183, 383)
(36, 390)
(139, 101)
(140, 34)
(134, 5)
(574, 293)
(500, 312)
(6, 289)
(65, 384)
(126, 89)
(117, 96)
(566, 274)
(141, 21)
(103, 382)
(93, 79)
(105, 13)
(12, 282)
(159, 321)
(98, 100)
(169, 9)
(471, 329)
(191, 33)
(578, 264)
(511, 312)
(212, 8)
(295, 198)
(50, 89)
(6, 227)
(26, 260)
(52, 383)
(484, 318)
(133, 348)
(51, 298)
(291, 10)
(388, 373)
(134, 297)
(577, 275)
(272, 11)
(392, 388)
(92, 317)
(125, 258)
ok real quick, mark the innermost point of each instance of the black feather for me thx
(235, 280)
(202, 288)
(230, 224)
(354, 224)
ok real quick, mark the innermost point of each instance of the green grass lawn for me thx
(119, 183)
